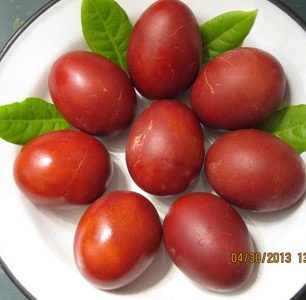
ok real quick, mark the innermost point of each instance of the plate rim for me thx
(3, 51)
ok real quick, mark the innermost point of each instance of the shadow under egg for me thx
(153, 275)
(119, 180)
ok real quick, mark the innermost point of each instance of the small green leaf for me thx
(225, 32)
(22, 121)
(289, 124)
(106, 29)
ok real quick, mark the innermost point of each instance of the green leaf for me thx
(106, 29)
(22, 121)
(289, 124)
(225, 32)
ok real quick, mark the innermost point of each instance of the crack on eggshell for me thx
(172, 72)
(226, 61)
(150, 125)
(179, 28)
(158, 58)
(120, 96)
(76, 171)
(207, 82)
(170, 162)
(115, 111)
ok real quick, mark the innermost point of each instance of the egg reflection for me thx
(106, 234)
(44, 161)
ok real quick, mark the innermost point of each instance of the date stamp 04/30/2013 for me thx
(268, 257)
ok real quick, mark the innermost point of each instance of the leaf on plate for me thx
(289, 124)
(106, 29)
(225, 32)
(22, 121)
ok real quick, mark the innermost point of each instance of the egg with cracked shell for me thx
(63, 168)
(92, 93)
(165, 49)
(117, 239)
(165, 148)
(238, 89)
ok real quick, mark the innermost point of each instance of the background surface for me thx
(13, 13)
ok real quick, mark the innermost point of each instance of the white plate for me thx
(36, 244)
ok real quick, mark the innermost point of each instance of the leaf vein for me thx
(109, 35)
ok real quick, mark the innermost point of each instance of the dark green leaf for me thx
(106, 29)
(289, 124)
(22, 121)
(225, 32)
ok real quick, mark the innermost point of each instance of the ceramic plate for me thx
(36, 244)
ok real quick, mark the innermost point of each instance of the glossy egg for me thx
(165, 148)
(164, 51)
(63, 168)
(92, 93)
(117, 239)
(202, 234)
(238, 89)
(255, 170)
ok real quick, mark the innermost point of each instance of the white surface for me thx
(36, 244)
